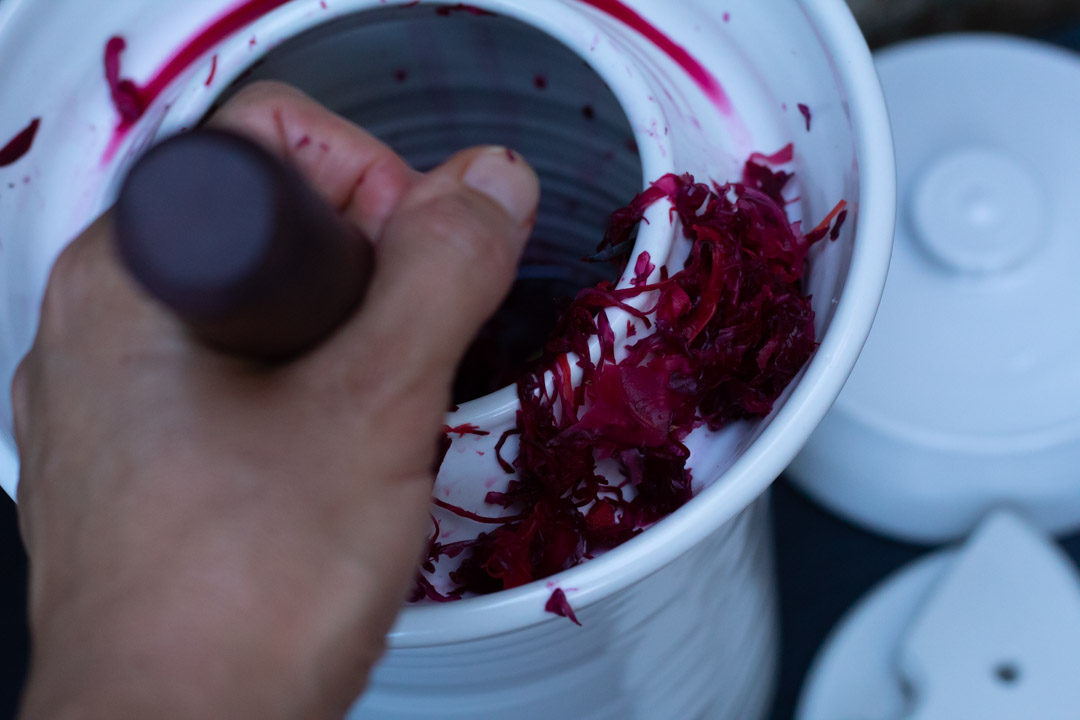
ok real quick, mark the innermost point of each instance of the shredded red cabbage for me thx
(463, 430)
(557, 604)
(729, 331)
(19, 145)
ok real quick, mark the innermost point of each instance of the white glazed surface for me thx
(932, 639)
(854, 673)
(697, 639)
(999, 638)
(967, 396)
(681, 618)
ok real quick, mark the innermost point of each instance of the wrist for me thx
(203, 649)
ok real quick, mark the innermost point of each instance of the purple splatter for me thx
(557, 604)
(445, 10)
(20, 144)
(805, 110)
(213, 71)
(126, 98)
(835, 232)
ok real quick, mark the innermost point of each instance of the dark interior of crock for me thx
(431, 80)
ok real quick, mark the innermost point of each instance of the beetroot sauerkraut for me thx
(722, 338)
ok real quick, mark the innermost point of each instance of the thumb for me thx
(446, 259)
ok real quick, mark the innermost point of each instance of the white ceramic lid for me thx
(990, 630)
(854, 673)
(967, 393)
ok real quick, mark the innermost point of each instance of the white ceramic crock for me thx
(600, 96)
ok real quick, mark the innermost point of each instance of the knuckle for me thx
(19, 380)
(373, 388)
(66, 263)
(66, 288)
(386, 178)
(257, 95)
(26, 413)
(56, 289)
(467, 233)
(20, 394)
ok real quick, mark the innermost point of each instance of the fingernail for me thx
(505, 177)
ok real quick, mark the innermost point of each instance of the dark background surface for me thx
(824, 564)
(13, 640)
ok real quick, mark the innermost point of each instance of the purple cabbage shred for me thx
(724, 336)
(557, 604)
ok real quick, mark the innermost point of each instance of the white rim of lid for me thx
(853, 674)
(926, 638)
(967, 394)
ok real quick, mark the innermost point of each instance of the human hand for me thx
(213, 538)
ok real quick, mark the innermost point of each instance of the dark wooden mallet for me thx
(237, 244)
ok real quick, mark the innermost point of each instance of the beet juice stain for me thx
(213, 71)
(691, 65)
(19, 145)
(131, 99)
(447, 10)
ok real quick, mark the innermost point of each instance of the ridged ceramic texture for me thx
(697, 639)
